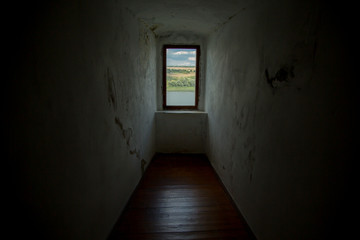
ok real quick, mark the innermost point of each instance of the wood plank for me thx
(183, 210)
(180, 197)
(208, 235)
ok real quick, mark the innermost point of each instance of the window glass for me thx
(180, 77)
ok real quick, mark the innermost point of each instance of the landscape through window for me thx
(180, 76)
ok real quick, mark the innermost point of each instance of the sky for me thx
(181, 57)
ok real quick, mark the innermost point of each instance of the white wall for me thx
(181, 131)
(83, 103)
(282, 148)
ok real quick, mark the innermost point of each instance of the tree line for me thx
(181, 82)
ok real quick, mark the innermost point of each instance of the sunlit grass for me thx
(180, 89)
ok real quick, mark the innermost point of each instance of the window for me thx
(180, 77)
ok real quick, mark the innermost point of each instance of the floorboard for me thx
(180, 197)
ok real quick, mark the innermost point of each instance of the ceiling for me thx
(198, 16)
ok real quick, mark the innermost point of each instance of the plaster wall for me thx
(181, 131)
(279, 113)
(82, 116)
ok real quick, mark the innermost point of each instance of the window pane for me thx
(180, 76)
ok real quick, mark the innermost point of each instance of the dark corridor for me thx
(180, 197)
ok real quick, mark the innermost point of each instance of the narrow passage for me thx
(180, 197)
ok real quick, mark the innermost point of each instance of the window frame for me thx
(197, 65)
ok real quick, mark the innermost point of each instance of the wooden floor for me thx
(180, 197)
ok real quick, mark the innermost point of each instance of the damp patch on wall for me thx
(143, 164)
(111, 88)
(127, 134)
(281, 77)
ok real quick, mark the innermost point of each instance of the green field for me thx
(180, 79)
(180, 89)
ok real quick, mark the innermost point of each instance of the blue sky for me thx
(181, 57)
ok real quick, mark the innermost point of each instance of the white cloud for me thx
(181, 57)
(181, 53)
(184, 53)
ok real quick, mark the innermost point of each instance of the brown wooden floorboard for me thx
(180, 197)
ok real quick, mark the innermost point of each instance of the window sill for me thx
(180, 112)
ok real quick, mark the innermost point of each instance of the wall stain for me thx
(135, 152)
(126, 133)
(111, 88)
(144, 38)
(228, 19)
(143, 164)
(282, 76)
(153, 27)
(250, 164)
